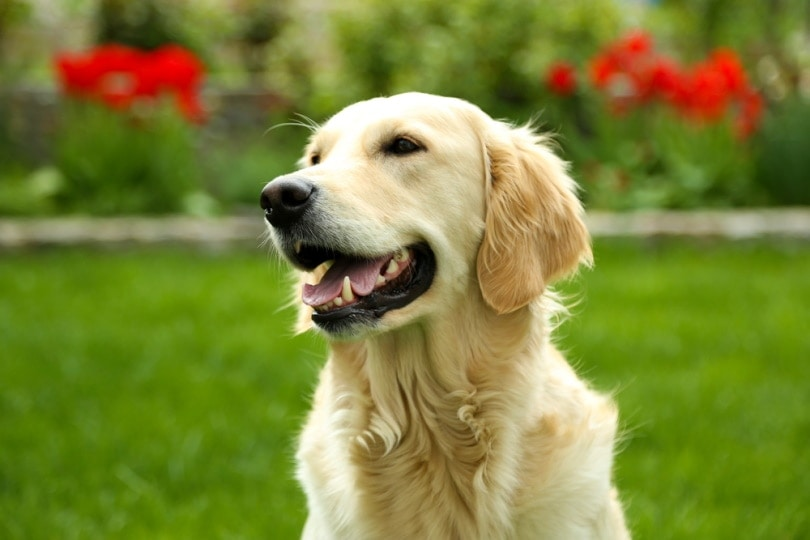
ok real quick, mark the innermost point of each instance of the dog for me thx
(426, 235)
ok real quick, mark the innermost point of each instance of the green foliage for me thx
(157, 393)
(651, 158)
(486, 51)
(24, 193)
(696, 26)
(147, 24)
(120, 163)
(7, 143)
(492, 53)
(236, 168)
(261, 22)
(783, 164)
(12, 13)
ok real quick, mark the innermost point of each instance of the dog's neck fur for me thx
(378, 366)
(404, 410)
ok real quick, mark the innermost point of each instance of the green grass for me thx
(155, 393)
(708, 348)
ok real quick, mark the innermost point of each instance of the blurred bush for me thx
(486, 51)
(126, 141)
(259, 24)
(783, 160)
(23, 190)
(12, 12)
(692, 145)
(235, 169)
(146, 24)
(521, 60)
(646, 130)
(120, 164)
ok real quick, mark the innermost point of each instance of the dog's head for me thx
(404, 203)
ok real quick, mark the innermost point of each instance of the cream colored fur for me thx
(455, 417)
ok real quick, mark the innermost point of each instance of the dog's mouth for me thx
(354, 287)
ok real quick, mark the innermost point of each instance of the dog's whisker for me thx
(304, 122)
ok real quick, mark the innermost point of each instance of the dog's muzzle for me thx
(353, 289)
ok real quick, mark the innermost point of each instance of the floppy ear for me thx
(534, 230)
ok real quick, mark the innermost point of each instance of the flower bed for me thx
(648, 131)
(126, 141)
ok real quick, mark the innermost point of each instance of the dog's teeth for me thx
(392, 267)
(328, 264)
(380, 279)
(298, 247)
(347, 294)
(402, 255)
(338, 301)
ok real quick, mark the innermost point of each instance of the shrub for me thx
(126, 137)
(146, 24)
(783, 163)
(259, 24)
(642, 128)
(250, 160)
(115, 164)
(485, 51)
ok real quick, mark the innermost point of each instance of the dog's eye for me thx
(314, 159)
(401, 146)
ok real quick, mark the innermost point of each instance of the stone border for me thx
(733, 224)
(32, 232)
(137, 230)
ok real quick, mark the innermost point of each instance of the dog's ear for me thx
(534, 230)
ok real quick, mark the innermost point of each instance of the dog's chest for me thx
(431, 485)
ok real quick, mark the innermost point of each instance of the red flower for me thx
(84, 74)
(729, 67)
(170, 67)
(118, 76)
(601, 69)
(714, 86)
(666, 79)
(631, 73)
(706, 96)
(626, 70)
(561, 78)
(635, 43)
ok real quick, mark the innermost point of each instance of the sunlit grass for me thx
(707, 348)
(148, 394)
(155, 393)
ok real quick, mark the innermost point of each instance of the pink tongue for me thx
(362, 273)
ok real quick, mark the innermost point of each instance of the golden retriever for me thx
(427, 234)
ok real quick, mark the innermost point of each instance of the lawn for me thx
(155, 393)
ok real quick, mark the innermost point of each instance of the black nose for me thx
(285, 200)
